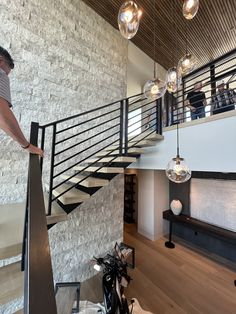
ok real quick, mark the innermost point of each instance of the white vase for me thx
(176, 207)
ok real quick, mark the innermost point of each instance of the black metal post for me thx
(159, 116)
(42, 147)
(169, 244)
(121, 127)
(126, 112)
(212, 78)
(183, 102)
(51, 170)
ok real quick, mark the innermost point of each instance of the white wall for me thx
(207, 146)
(153, 199)
(140, 69)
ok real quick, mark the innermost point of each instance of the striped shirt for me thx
(5, 92)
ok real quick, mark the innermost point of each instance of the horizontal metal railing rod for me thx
(86, 112)
(181, 101)
(208, 71)
(142, 98)
(153, 113)
(86, 121)
(142, 126)
(82, 132)
(87, 139)
(149, 109)
(58, 174)
(150, 102)
(216, 61)
(190, 88)
(211, 105)
(74, 155)
(84, 169)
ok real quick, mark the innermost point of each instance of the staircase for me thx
(83, 177)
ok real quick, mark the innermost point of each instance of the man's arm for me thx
(187, 103)
(9, 124)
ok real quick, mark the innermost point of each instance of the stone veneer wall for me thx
(91, 230)
(68, 60)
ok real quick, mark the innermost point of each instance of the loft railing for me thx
(39, 294)
(76, 139)
(223, 68)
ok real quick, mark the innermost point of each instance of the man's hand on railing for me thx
(35, 150)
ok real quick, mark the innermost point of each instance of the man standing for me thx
(196, 101)
(8, 122)
(224, 100)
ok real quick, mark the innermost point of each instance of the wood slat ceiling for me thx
(211, 33)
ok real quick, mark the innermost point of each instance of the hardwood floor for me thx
(178, 281)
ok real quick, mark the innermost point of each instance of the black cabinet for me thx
(129, 198)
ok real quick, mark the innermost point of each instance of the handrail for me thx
(39, 294)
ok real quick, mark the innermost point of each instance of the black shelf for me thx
(197, 225)
(129, 198)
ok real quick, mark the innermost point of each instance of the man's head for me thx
(6, 61)
(221, 85)
(198, 86)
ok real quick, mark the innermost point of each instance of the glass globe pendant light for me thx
(128, 19)
(154, 89)
(190, 8)
(177, 170)
(186, 64)
(172, 80)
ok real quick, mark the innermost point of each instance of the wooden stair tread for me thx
(134, 143)
(11, 282)
(73, 196)
(148, 136)
(119, 159)
(21, 311)
(88, 182)
(102, 170)
(132, 150)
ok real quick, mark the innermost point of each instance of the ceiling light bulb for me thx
(186, 64)
(128, 19)
(154, 89)
(190, 8)
(172, 80)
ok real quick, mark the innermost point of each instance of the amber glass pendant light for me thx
(190, 8)
(128, 19)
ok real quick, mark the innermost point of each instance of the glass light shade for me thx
(128, 19)
(154, 89)
(190, 8)
(186, 64)
(177, 170)
(172, 80)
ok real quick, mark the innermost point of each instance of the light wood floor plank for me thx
(180, 280)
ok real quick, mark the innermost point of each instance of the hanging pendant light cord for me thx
(177, 140)
(186, 36)
(154, 41)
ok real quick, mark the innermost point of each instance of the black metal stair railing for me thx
(76, 139)
(223, 68)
